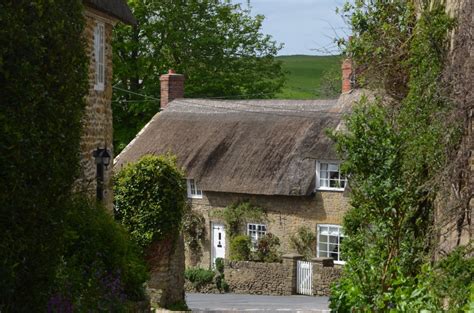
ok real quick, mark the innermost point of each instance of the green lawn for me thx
(305, 75)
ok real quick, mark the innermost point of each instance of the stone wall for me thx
(97, 121)
(324, 275)
(166, 261)
(277, 279)
(455, 205)
(260, 278)
(285, 215)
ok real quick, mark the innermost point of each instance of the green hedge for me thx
(43, 79)
(150, 197)
(240, 248)
(101, 269)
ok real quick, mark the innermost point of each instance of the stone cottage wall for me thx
(97, 121)
(285, 215)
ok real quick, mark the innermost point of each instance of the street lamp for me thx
(102, 158)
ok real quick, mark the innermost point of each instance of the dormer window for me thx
(193, 189)
(329, 177)
(99, 56)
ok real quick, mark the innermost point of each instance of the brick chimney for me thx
(347, 77)
(172, 87)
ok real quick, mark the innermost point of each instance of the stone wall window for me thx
(329, 242)
(255, 232)
(193, 189)
(99, 56)
(329, 177)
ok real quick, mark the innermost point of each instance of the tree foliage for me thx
(395, 149)
(217, 45)
(43, 82)
(150, 197)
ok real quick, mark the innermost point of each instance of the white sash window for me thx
(99, 56)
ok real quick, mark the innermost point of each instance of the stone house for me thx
(100, 18)
(273, 153)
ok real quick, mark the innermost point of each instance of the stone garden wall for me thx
(277, 279)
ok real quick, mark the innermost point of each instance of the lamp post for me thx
(102, 158)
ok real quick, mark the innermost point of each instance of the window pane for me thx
(323, 174)
(334, 175)
(334, 167)
(334, 231)
(324, 183)
(323, 167)
(323, 250)
(323, 238)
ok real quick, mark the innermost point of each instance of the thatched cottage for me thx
(272, 153)
(96, 142)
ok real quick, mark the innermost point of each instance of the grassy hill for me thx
(308, 76)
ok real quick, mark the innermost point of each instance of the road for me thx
(254, 303)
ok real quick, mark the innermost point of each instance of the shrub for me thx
(267, 249)
(43, 79)
(101, 267)
(220, 265)
(150, 198)
(240, 248)
(199, 276)
(304, 242)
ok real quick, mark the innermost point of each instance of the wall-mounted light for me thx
(102, 158)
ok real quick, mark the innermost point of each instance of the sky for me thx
(304, 26)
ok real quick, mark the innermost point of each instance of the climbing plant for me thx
(194, 231)
(395, 149)
(236, 215)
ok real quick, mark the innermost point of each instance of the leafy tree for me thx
(217, 45)
(43, 81)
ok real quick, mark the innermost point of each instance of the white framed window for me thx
(329, 177)
(255, 232)
(99, 56)
(193, 189)
(329, 242)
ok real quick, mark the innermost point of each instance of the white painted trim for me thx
(318, 170)
(339, 241)
(100, 61)
(196, 188)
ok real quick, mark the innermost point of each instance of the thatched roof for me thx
(117, 8)
(255, 147)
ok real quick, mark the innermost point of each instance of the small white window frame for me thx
(258, 233)
(99, 56)
(194, 192)
(339, 236)
(318, 176)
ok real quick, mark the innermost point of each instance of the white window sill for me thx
(340, 262)
(194, 197)
(329, 189)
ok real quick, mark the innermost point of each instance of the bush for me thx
(101, 268)
(194, 231)
(267, 249)
(236, 215)
(240, 248)
(150, 198)
(220, 265)
(199, 276)
(43, 79)
(304, 242)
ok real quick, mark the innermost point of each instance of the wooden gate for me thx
(304, 278)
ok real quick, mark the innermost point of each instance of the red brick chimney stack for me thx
(347, 78)
(172, 87)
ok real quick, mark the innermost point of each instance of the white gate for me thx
(304, 278)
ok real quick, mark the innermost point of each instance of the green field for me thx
(308, 76)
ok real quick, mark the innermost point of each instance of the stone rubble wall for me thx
(97, 121)
(259, 278)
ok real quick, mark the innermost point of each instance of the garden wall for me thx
(279, 278)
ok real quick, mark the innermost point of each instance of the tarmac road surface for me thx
(231, 302)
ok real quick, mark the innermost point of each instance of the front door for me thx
(217, 242)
